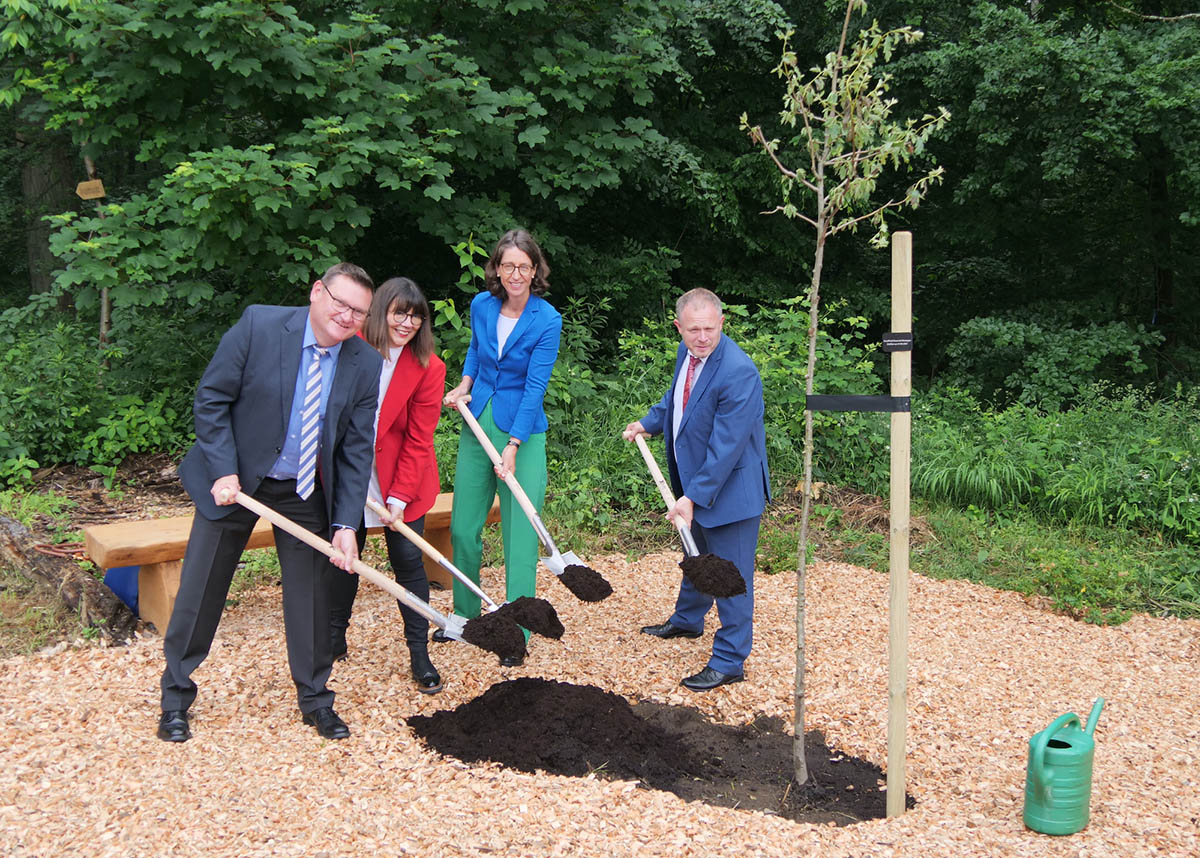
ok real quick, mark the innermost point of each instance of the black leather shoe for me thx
(427, 678)
(337, 637)
(708, 679)
(173, 726)
(441, 637)
(512, 660)
(327, 722)
(667, 630)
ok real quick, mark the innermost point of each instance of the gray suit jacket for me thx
(243, 402)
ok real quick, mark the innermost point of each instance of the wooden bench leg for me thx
(439, 577)
(158, 584)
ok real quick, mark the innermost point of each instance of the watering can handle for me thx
(1042, 778)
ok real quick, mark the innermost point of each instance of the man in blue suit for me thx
(285, 412)
(712, 422)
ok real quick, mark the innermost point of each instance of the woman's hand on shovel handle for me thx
(225, 489)
(508, 462)
(633, 430)
(463, 392)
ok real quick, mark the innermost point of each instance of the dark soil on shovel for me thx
(586, 583)
(496, 633)
(713, 575)
(537, 615)
(532, 724)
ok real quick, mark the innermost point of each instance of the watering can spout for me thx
(1094, 717)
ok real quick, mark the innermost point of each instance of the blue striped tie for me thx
(310, 426)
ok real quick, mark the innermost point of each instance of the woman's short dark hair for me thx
(523, 241)
(402, 295)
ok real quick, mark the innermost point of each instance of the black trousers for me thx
(409, 569)
(213, 550)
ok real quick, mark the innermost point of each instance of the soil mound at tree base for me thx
(534, 724)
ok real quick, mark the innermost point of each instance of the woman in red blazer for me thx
(405, 475)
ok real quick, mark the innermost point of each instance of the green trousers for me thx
(475, 484)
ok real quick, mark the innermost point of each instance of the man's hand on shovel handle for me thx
(345, 540)
(681, 512)
(225, 489)
(633, 430)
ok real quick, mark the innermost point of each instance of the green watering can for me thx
(1058, 779)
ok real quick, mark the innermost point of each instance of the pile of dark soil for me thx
(533, 724)
(713, 575)
(496, 633)
(586, 583)
(537, 615)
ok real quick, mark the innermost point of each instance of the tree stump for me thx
(97, 605)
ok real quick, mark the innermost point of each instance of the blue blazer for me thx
(245, 397)
(516, 382)
(719, 459)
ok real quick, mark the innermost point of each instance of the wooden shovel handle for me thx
(655, 471)
(685, 534)
(494, 455)
(308, 537)
(408, 533)
(435, 555)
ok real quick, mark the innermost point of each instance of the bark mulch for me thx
(82, 774)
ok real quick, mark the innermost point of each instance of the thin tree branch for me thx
(1137, 14)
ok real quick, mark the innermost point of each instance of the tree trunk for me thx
(1161, 220)
(799, 760)
(47, 181)
(97, 605)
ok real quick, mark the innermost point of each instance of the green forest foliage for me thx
(244, 145)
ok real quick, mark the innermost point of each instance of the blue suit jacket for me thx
(243, 402)
(515, 382)
(720, 457)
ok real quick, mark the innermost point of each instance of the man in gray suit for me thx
(284, 412)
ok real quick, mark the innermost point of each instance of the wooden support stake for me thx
(901, 436)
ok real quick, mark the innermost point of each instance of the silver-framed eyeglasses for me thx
(340, 306)
(415, 319)
(509, 268)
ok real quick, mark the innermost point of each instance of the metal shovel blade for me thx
(453, 627)
(558, 562)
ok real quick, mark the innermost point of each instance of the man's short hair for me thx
(697, 296)
(349, 269)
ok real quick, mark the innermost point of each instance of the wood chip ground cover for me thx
(82, 774)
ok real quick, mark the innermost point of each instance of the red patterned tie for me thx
(693, 361)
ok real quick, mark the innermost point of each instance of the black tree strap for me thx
(858, 403)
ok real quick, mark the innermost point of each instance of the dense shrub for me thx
(1119, 458)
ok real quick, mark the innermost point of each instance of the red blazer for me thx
(404, 455)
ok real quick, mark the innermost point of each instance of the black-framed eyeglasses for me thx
(341, 306)
(508, 268)
(414, 318)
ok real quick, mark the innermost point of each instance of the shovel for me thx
(452, 626)
(537, 615)
(685, 534)
(709, 573)
(557, 562)
(434, 555)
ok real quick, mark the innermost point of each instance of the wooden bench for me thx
(156, 547)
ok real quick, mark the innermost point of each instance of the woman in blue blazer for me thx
(514, 344)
